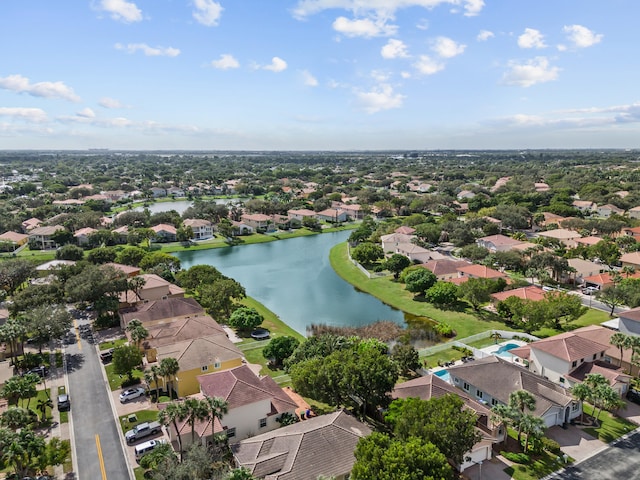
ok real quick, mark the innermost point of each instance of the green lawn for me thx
(611, 427)
(539, 467)
(112, 344)
(139, 473)
(141, 417)
(447, 355)
(115, 380)
(33, 403)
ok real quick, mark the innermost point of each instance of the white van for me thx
(146, 447)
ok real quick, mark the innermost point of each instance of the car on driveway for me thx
(633, 396)
(590, 290)
(41, 371)
(131, 394)
(64, 402)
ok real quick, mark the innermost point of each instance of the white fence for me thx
(464, 342)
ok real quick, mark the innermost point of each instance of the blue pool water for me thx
(503, 351)
(443, 374)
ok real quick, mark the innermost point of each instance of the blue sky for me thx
(319, 74)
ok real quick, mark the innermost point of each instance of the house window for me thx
(595, 356)
(561, 379)
(601, 354)
(205, 368)
(263, 422)
(466, 386)
(231, 432)
(494, 402)
(217, 364)
(479, 394)
(574, 364)
(574, 407)
(455, 380)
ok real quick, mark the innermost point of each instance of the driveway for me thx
(631, 412)
(575, 442)
(491, 470)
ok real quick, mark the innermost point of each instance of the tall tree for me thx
(169, 367)
(173, 413)
(15, 272)
(521, 401)
(196, 410)
(396, 263)
(125, 359)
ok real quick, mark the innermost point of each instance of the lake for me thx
(181, 205)
(294, 279)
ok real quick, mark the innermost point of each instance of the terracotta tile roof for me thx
(322, 445)
(256, 217)
(500, 240)
(196, 222)
(611, 372)
(560, 234)
(84, 231)
(45, 231)
(498, 378)
(633, 314)
(240, 386)
(405, 230)
(432, 386)
(444, 267)
(569, 347)
(13, 237)
(126, 269)
(180, 329)
(588, 240)
(481, 271)
(163, 309)
(632, 257)
(163, 227)
(526, 293)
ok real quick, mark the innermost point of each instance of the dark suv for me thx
(633, 396)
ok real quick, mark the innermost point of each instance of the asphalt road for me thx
(621, 461)
(98, 448)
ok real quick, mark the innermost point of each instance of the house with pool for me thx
(491, 380)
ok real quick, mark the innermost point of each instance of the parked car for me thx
(64, 402)
(633, 396)
(131, 393)
(42, 371)
(590, 290)
(106, 355)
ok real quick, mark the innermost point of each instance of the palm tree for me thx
(169, 367)
(171, 415)
(619, 340)
(196, 411)
(519, 401)
(43, 403)
(155, 372)
(16, 418)
(532, 426)
(217, 408)
(137, 331)
(581, 392)
(159, 458)
(628, 270)
(503, 414)
(496, 336)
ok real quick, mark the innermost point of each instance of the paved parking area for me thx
(575, 442)
(631, 412)
(492, 469)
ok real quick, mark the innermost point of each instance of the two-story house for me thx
(498, 243)
(201, 228)
(259, 222)
(445, 269)
(492, 379)
(165, 233)
(41, 237)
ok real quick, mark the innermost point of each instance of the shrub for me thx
(126, 383)
(444, 329)
(516, 457)
(551, 445)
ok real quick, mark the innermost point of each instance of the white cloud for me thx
(531, 38)
(532, 72)
(379, 98)
(277, 65)
(582, 37)
(122, 10)
(394, 49)
(427, 65)
(226, 62)
(28, 114)
(447, 48)
(207, 12)
(309, 79)
(86, 113)
(485, 35)
(364, 27)
(147, 50)
(107, 102)
(381, 8)
(20, 84)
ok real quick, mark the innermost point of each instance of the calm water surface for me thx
(294, 279)
(181, 205)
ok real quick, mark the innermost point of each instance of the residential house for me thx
(498, 243)
(14, 239)
(333, 215)
(631, 259)
(607, 210)
(201, 228)
(165, 233)
(629, 322)
(320, 446)
(588, 241)
(114, 195)
(153, 288)
(549, 218)
(432, 386)
(531, 293)
(40, 237)
(418, 254)
(128, 270)
(632, 232)
(157, 192)
(30, 224)
(259, 222)
(154, 311)
(465, 195)
(492, 379)
(69, 202)
(175, 192)
(391, 241)
(634, 212)
(604, 280)
(479, 271)
(241, 228)
(281, 222)
(255, 403)
(354, 211)
(82, 235)
(122, 233)
(541, 187)
(584, 206)
(300, 214)
(567, 358)
(445, 269)
(562, 235)
(603, 335)
(583, 269)
(404, 230)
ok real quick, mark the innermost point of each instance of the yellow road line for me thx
(101, 458)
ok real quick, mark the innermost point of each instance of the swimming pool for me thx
(444, 375)
(503, 351)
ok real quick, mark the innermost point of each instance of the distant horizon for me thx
(301, 75)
